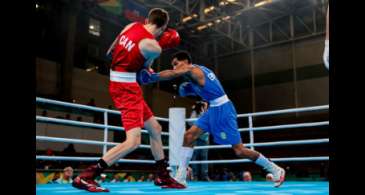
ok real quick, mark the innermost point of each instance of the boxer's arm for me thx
(150, 50)
(171, 74)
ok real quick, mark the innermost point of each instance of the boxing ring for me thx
(219, 188)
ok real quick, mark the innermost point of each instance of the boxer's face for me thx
(178, 63)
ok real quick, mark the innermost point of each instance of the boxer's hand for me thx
(169, 39)
(186, 89)
(145, 76)
(326, 57)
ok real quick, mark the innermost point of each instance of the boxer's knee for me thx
(134, 143)
(133, 139)
(157, 129)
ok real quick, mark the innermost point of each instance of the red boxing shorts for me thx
(127, 98)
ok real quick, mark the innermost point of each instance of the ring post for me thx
(177, 127)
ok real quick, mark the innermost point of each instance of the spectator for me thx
(68, 116)
(128, 178)
(200, 170)
(116, 178)
(225, 176)
(79, 118)
(141, 179)
(44, 113)
(102, 178)
(269, 177)
(66, 177)
(91, 102)
(232, 176)
(97, 115)
(216, 176)
(150, 177)
(56, 176)
(49, 152)
(247, 176)
(69, 150)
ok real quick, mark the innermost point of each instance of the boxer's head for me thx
(181, 58)
(160, 18)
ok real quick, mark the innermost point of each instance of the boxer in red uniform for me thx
(134, 49)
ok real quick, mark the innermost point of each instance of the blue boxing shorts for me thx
(221, 123)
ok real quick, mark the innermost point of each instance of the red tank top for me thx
(126, 55)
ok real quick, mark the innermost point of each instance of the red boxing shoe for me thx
(174, 185)
(87, 185)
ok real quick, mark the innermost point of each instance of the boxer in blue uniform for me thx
(220, 120)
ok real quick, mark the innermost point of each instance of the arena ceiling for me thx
(222, 27)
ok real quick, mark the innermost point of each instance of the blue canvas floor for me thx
(200, 188)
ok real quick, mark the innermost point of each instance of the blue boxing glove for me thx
(145, 76)
(186, 89)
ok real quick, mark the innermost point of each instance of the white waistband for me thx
(218, 101)
(123, 77)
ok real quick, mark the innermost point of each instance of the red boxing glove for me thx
(169, 39)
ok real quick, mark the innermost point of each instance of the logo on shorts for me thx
(223, 135)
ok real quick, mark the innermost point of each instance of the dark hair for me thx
(182, 55)
(158, 16)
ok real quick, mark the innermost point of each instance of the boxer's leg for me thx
(119, 151)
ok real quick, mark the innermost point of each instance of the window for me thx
(94, 27)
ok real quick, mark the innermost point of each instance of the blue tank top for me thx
(212, 88)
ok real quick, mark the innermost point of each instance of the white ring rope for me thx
(84, 124)
(284, 111)
(291, 110)
(74, 158)
(297, 125)
(110, 127)
(290, 159)
(83, 141)
(81, 106)
(93, 142)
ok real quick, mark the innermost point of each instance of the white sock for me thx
(265, 163)
(186, 155)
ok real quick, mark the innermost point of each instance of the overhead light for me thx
(262, 3)
(210, 24)
(202, 27)
(187, 18)
(91, 69)
(209, 9)
(36, 6)
(91, 27)
(226, 18)
(218, 21)
(226, 2)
